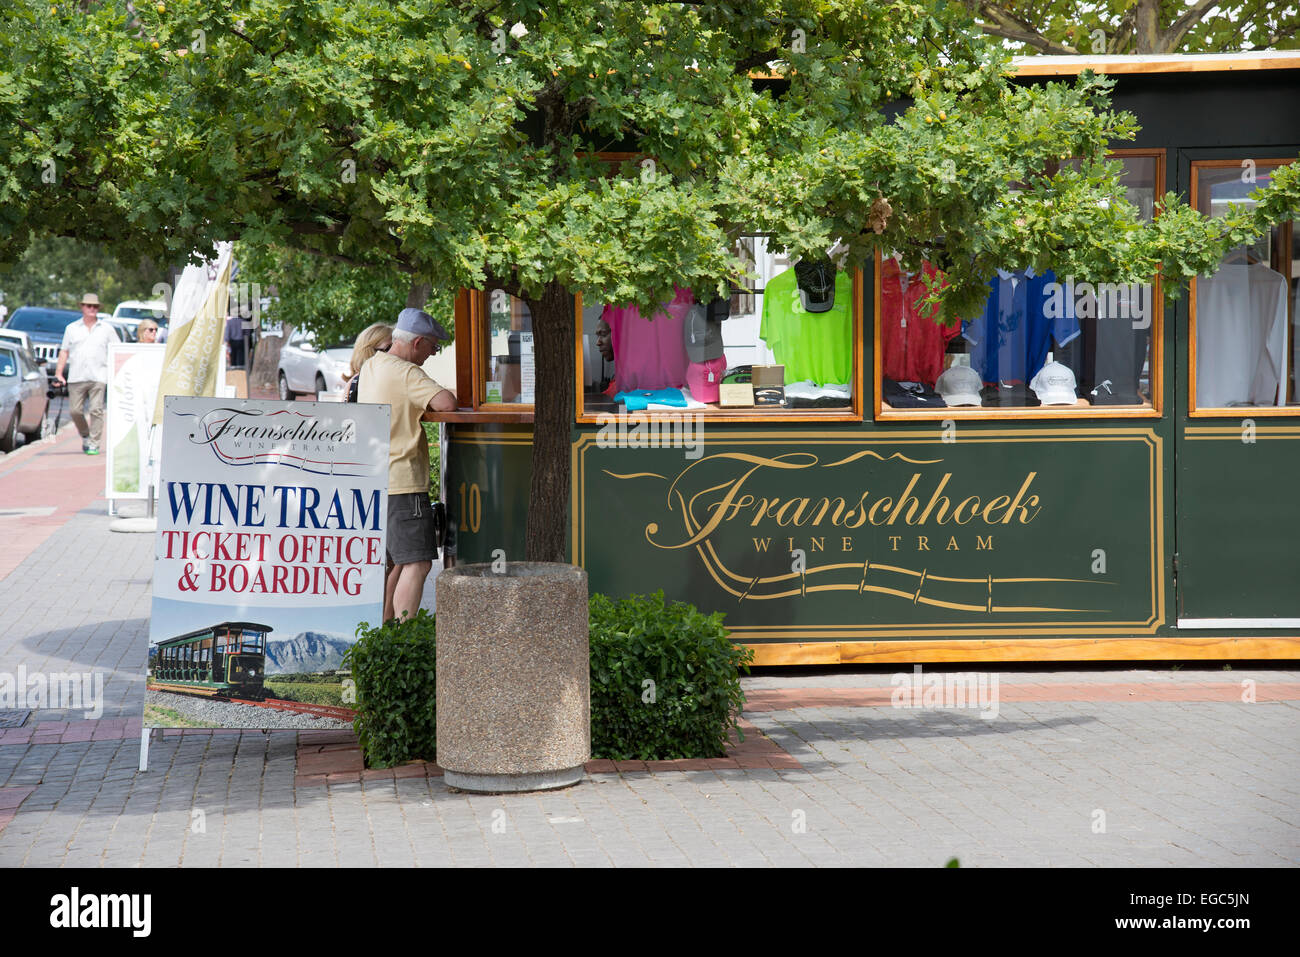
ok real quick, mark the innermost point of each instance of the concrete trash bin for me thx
(514, 680)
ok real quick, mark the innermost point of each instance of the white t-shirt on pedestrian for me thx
(88, 350)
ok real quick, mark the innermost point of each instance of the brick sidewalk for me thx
(1085, 768)
(40, 489)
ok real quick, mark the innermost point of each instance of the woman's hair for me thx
(370, 341)
(145, 325)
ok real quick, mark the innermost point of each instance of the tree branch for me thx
(1170, 39)
(1005, 24)
(239, 33)
(1123, 32)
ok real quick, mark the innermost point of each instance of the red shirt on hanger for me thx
(911, 342)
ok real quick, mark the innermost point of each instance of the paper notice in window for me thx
(527, 369)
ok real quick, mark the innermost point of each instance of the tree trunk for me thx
(1146, 29)
(266, 360)
(417, 295)
(548, 496)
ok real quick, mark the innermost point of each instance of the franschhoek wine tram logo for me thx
(924, 510)
(285, 437)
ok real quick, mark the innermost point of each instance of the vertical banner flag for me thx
(196, 330)
(269, 553)
(134, 371)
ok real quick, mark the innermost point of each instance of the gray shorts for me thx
(411, 535)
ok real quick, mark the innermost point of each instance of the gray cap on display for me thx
(960, 385)
(420, 323)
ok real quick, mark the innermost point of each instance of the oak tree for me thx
(457, 143)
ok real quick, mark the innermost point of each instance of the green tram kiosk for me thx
(1081, 472)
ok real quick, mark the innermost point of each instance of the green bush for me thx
(665, 683)
(665, 680)
(393, 667)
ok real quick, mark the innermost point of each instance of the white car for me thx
(23, 341)
(305, 368)
(129, 314)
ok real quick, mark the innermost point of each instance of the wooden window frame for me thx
(473, 349)
(1004, 413)
(1244, 411)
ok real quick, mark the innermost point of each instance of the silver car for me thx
(23, 398)
(305, 368)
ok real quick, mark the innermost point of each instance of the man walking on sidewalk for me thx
(85, 355)
(395, 378)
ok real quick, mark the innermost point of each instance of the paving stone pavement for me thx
(1063, 783)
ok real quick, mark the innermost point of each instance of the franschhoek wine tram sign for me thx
(269, 552)
(1153, 518)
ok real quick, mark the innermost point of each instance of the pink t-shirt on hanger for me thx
(650, 354)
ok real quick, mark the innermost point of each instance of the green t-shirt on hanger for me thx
(811, 345)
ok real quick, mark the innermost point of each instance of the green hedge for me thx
(393, 667)
(665, 680)
(665, 683)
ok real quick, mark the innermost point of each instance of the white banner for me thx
(134, 371)
(195, 363)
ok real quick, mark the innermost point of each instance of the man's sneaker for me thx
(85, 445)
(92, 449)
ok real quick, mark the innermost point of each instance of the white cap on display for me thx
(1054, 385)
(960, 385)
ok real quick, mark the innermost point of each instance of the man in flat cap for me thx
(395, 378)
(84, 354)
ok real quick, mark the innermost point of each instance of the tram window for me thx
(1045, 343)
(783, 341)
(1244, 315)
(509, 372)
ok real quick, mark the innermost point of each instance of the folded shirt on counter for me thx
(641, 399)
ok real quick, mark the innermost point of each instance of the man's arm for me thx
(444, 401)
(58, 371)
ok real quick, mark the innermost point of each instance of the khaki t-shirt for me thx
(388, 380)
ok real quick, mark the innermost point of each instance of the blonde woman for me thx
(376, 338)
(147, 331)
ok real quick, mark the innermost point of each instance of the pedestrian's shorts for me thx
(411, 534)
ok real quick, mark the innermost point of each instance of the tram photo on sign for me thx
(269, 553)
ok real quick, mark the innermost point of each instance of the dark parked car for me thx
(23, 397)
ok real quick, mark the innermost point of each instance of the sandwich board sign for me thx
(269, 551)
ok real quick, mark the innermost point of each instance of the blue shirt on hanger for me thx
(1010, 341)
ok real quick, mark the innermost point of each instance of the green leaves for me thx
(665, 680)
(436, 138)
(394, 667)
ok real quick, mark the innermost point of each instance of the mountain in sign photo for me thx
(306, 652)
